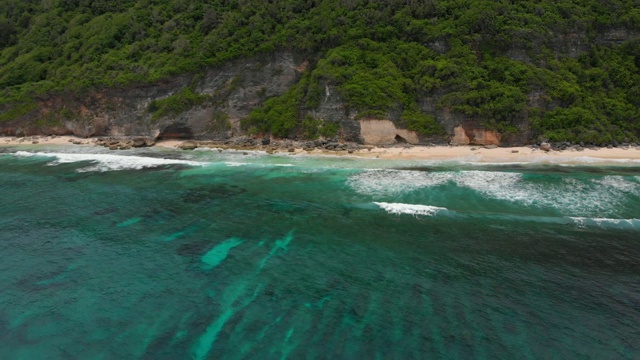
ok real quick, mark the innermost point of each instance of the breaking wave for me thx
(411, 209)
(570, 196)
(628, 224)
(108, 162)
(235, 164)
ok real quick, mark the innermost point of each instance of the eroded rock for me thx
(545, 146)
(188, 145)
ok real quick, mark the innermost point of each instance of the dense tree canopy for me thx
(482, 58)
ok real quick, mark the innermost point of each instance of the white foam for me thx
(109, 162)
(393, 182)
(411, 209)
(568, 161)
(239, 163)
(583, 160)
(235, 163)
(606, 223)
(618, 183)
(571, 196)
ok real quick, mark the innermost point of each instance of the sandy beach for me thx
(500, 154)
(44, 140)
(522, 154)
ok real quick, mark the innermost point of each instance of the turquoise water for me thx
(159, 254)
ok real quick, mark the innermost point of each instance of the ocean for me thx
(165, 254)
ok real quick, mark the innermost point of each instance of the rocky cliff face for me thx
(332, 108)
(233, 91)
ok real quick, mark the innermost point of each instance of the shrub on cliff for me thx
(177, 103)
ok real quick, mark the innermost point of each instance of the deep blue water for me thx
(159, 254)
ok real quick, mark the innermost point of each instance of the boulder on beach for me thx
(188, 145)
(138, 142)
(545, 146)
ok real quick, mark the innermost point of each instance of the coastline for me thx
(471, 153)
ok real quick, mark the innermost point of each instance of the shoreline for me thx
(470, 153)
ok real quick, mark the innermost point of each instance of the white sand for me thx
(45, 140)
(169, 143)
(499, 155)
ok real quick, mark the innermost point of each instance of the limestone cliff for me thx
(230, 93)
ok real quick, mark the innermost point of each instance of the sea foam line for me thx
(235, 163)
(607, 223)
(572, 197)
(411, 209)
(109, 162)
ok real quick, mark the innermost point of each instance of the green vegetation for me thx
(598, 97)
(53, 118)
(500, 62)
(421, 123)
(220, 122)
(278, 115)
(177, 103)
(313, 128)
(18, 111)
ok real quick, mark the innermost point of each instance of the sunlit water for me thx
(161, 254)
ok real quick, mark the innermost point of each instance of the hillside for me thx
(527, 70)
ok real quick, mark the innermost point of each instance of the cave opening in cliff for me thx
(400, 140)
(176, 132)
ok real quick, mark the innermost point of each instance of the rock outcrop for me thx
(460, 136)
(384, 132)
(188, 145)
(475, 137)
